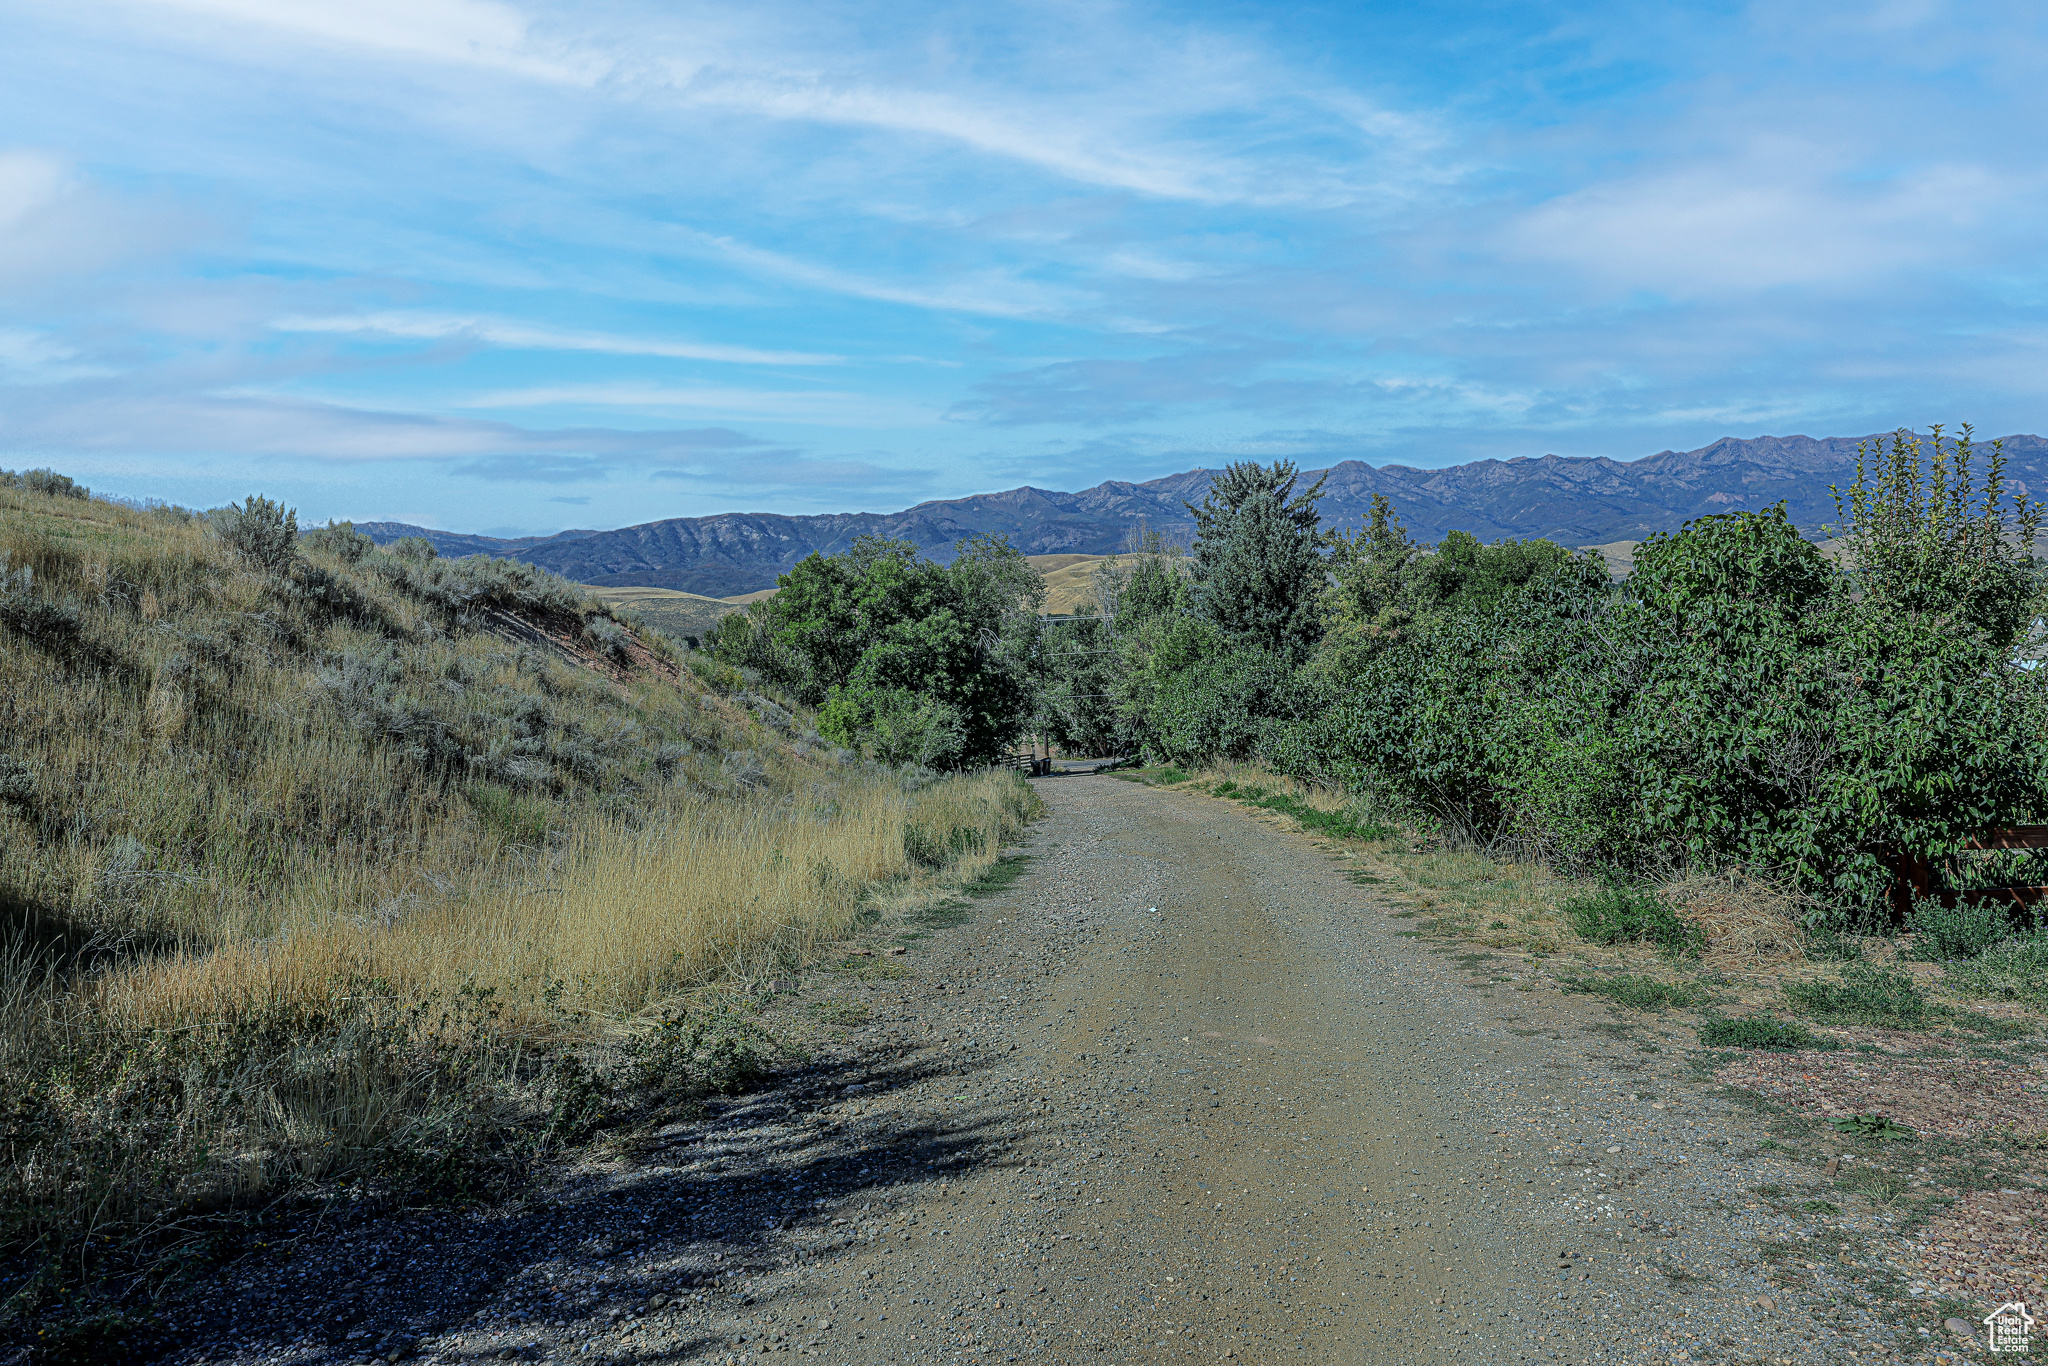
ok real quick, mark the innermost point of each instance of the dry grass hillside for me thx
(679, 615)
(1069, 580)
(320, 859)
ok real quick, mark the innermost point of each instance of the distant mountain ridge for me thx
(1574, 500)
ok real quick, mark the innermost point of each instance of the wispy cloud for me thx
(1773, 215)
(31, 357)
(101, 418)
(464, 32)
(533, 337)
(997, 293)
(790, 405)
(387, 240)
(1140, 128)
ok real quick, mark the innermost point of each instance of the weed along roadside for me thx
(1175, 1079)
(343, 880)
(1874, 1119)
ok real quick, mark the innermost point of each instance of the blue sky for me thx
(512, 267)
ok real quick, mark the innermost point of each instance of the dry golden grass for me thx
(1750, 922)
(1069, 580)
(198, 1079)
(306, 872)
(625, 923)
(679, 614)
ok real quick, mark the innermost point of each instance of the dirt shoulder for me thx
(1189, 1089)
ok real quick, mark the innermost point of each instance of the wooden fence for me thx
(1915, 876)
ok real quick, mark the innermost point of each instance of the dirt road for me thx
(1184, 1092)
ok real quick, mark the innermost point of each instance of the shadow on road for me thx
(704, 1207)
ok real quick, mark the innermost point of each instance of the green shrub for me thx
(1225, 705)
(339, 539)
(1700, 713)
(2015, 970)
(1964, 930)
(895, 726)
(716, 673)
(1760, 1031)
(919, 661)
(258, 530)
(1864, 994)
(520, 820)
(44, 481)
(716, 1050)
(1618, 913)
(1640, 993)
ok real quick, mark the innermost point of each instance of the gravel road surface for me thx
(1184, 1092)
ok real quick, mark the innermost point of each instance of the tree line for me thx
(1739, 697)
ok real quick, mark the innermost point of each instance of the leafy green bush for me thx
(895, 726)
(1699, 714)
(1618, 913)
(718, 1050)
(909, 660)
(717, 674)
(1864, 994)
(1964, 930)
(1224, 706)
(1760, 1031)
(1640, 993)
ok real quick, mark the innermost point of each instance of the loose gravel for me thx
(1183, 1092)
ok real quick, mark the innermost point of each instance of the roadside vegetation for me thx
(906, 660)
(1679, 791)
(323, 863)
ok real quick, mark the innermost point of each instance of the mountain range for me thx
(1573, 500)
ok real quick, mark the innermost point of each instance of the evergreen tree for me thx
(1259, 571)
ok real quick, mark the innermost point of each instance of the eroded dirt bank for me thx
(1184, 1092)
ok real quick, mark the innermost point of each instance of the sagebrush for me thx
(319, 858)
